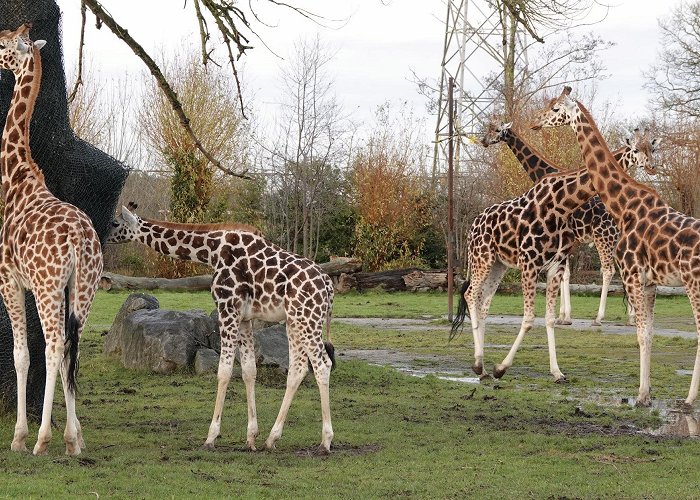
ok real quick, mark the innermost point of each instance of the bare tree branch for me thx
(79, 77)
(170, 94)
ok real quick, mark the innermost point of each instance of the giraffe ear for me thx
(628, 141)
(566, 91)
(39, 44)
(506, 126)
(655, 143)
(128, 217)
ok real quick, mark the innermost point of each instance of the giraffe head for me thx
(560, 111)
(125, 226)
(639, 151)
(495, 134)
(16, 48)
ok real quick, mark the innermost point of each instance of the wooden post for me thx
(450, 200)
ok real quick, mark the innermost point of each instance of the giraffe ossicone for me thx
(252, 279)
(48, 247)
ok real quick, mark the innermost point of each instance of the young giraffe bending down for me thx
(253, 279)
(48, 246)
(658, 245)
(590, 222)
(530, 233)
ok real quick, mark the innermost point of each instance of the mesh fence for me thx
(75, 172)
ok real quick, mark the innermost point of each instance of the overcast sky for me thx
(377, 46)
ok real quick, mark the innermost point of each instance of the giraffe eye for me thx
(555, 109)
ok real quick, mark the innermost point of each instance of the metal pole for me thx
(450, 200)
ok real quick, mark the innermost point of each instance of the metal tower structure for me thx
(472, 71)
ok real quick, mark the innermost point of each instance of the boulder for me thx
(271, 347)
(206, 361)
(134, 302)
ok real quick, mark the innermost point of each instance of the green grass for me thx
(395, 435)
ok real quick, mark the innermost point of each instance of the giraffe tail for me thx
(327, 344)
(462, 312)
(71, 351)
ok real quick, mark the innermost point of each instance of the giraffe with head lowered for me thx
(590, 222)
(530, 233)
(48, 247)
(253, 279)
(658, 245)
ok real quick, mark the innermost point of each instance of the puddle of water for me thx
(684, 372)
(678, 421)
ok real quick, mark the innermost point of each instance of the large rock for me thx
(134, 302)
(146, 337)
(206, 361)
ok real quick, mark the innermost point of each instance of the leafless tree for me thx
(310, 139)
(674, 79)
(217, 120)
(236, 26)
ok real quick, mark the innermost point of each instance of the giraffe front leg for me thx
(249, 374)
(13, 297)
(228, 352)
(565, 305)
(636, 292)
(692, 287)
(553, 279)
(529, 282)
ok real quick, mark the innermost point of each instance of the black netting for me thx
(75, 172)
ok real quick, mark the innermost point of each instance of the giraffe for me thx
(530, 233)
(48, 247)
(590, 222)
(253, 279)
(658, 245)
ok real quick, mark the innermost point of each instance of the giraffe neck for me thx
(607, 177)
(17, 167)
(570, 190)
(534, 163)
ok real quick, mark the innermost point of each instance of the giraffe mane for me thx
(206, 227)
(610, 158)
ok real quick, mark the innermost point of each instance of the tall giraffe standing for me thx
(253, 279)
(658, 245)
(48, 246)
(590, 222)
(530, 233)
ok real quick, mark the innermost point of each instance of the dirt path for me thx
(608, 328)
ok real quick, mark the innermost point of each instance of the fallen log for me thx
(341, 265)
(111, 281)
(391, 281)
(423, 281)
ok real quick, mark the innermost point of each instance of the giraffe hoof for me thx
(644, 402)
(478, 369)
(561, 380)
(73, 451)
(499, 371)
(484, 376)
(18, 446)
(41, 450)
(563, 322)
(269, 446)
(323, 451)
(596, 323)
(250, 447)
(208, 446)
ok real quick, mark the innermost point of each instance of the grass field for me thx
(395, 435)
